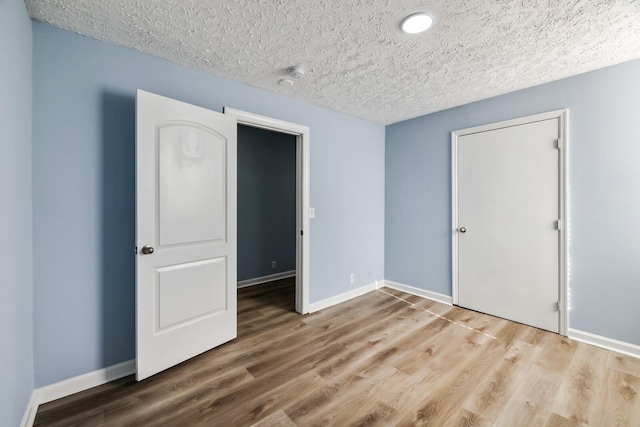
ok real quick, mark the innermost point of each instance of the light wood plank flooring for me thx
(386, 358)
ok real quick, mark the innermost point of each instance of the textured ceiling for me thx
(355, 59)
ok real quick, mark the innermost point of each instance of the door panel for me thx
(508, 202)
(189, 291)
(191, 172)
(186, 211)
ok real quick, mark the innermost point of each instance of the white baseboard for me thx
(606, 343)
(445, 299)
(30, 412)
(265, 279)
(84, 382)
(326, 303)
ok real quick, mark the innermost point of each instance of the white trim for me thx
(264, 122)
(434, 296)
(30, 411)
(454, 218)
(606, 343)
(563, 132)
(513, 122)
(326, 303)
(266, 279)
(563, 118)
(303, 140)
(84, 382)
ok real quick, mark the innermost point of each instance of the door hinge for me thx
(557, 306)
(301, 233)
(558, 143)
(558, 225)
(135, 250)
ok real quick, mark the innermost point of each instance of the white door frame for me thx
(562, 116)
(302, 134)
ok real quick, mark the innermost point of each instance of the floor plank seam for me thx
(438, 315)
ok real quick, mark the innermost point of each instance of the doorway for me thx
(266, 211)
(509, 220)
(301, 136)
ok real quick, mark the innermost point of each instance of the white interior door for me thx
(186, 232)
(508, 188)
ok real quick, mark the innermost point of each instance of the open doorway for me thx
(277, 131)
(266, 215)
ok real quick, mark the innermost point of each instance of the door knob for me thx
(147, 250)
(462, 230)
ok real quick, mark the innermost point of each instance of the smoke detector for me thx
(295, 71)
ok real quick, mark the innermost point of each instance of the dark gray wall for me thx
(16, 284)
(266, 202)
(603, 193)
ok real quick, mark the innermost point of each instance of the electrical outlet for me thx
(273, 265)
(352, 278)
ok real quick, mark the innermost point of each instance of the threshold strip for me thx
(437, 315)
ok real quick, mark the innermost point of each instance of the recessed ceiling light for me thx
(416, 23)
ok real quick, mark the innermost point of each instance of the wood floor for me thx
(386, 358)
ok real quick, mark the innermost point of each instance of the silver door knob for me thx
(147, 250)
(462, 230)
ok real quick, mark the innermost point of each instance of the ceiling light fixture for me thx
(416, 23)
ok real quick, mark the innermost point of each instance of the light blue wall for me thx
(83, 184)
(266, 202)
(16, 285)
(604, 200)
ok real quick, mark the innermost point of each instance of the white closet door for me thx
(508, 205)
